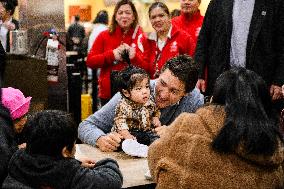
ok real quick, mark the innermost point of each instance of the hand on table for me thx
(88, 163)
(109, 142)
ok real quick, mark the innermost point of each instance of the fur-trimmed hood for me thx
(183, 157)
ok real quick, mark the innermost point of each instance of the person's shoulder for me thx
(176, 19)
(105, 33)
(189, 123)
(123, 105)
(194, 94)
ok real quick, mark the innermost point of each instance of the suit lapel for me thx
(259, 14)
(227, 8)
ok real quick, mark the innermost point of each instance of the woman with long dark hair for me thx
(109, 45)
(234, 142)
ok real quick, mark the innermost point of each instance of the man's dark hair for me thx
(101, 18)
(49, 131)
(77, 18)
(183, 67)
(10, 5)
(250, 119)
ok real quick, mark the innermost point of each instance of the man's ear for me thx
(126, 93)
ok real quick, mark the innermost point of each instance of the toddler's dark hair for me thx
(49, 131)
(129, 77)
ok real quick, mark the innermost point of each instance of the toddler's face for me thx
(141, 92)
(20, 123)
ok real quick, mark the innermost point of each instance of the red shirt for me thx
(178, 42)
(190, 25)
(101, 56)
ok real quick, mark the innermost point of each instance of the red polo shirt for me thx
(178, 42)
(190, 25)
(101, 56)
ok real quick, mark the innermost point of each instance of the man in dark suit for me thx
(246, 34)
(8, 22)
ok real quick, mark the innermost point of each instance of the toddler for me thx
(48, 160)
(136, 115)
(282, 116)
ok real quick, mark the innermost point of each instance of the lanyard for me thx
(157, 58)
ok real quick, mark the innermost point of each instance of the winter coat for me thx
(183, 158)
(178, 42)
(265, 43)
(39, 171)
(101, 56)
(190, 25)
(8, 144)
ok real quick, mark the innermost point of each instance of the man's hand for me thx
(201, 85)
(110, 142)
(161, 130)
(275, 92)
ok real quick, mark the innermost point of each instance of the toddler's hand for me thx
(22, 146)
(126, 134)
(88, 163)
(156, 122)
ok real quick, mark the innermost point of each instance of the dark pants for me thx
(145, 137)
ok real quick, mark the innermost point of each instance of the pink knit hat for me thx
(15, 101)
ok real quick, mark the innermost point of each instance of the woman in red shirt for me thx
(108, 46)
(166, 42)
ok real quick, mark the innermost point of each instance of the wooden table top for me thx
(133, 169)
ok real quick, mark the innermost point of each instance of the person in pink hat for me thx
(282, 115)
(13, 109)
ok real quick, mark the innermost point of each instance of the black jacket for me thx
(37, 171)
(8, 143)
(2, 64)
(265, 45)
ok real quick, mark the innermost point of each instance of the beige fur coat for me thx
(183, 157)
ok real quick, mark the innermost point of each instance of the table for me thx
(133, 169)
